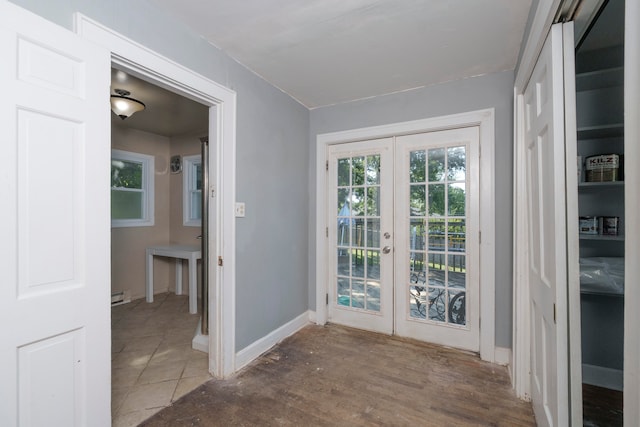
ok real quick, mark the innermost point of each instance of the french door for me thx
(361, 227)
(404, 236)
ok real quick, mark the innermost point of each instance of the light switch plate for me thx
(239, 209)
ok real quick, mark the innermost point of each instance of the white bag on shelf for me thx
(602, 274)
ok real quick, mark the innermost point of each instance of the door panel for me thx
(361, 212)
(54, 253)
(437, 216)
(545, 160)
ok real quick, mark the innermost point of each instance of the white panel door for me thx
(437, 289)
(360, 208)
(546, 209)
(54, 250)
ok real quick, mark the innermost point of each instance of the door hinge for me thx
(327, 231)
(327, 165)
(327, 295)
(480, 237)
(220, 262)
(554, 313)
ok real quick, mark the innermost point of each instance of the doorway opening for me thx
(156, 207)
(327, 256)
(405, 248)
(599, 66)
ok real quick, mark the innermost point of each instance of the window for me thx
(192, 191)
(131, 189)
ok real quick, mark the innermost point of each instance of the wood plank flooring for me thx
(332, 375)
(602, 406)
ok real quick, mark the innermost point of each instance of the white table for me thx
(179, 252)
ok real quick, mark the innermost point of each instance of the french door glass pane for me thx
(417, 200)
(358, 232)
(437, 201)
(436, 164)
(417, 166)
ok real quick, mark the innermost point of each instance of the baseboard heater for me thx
(121, 297)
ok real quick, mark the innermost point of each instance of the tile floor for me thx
(152, 362)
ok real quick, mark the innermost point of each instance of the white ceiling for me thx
(324, 52)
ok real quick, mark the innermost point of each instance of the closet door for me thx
(547, 232)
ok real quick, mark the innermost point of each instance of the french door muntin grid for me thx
(438, 197)
(358, 237)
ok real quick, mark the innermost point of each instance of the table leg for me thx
(149, 284)
(178, 276)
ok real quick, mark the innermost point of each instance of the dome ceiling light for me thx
(123, 106)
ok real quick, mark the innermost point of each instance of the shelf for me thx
(601, 293)
(602, 131)
(601, 237)
(597, 185)
(599, 79)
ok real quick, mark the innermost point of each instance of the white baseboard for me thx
(252, 351)
(502, 356)
(602, 377)
(312, 316)
(200, 342)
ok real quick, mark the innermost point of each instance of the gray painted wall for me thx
(272, 156)
(494, 90)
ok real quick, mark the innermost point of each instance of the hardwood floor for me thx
(602, 407)
(327, 376)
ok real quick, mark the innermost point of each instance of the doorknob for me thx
(386, 249)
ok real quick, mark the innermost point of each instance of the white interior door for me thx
(437, 237)
(54, 251)
(360, 208)
(547, 255)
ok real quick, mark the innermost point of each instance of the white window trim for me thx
(148, 168)
(189, 163)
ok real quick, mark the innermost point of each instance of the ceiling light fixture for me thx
(123, 106)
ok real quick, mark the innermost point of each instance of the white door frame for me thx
(151, 66)
(486, 121)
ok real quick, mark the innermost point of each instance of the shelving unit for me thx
(599, 97)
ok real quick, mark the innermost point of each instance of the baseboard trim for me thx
(200, 342)
(254, 350)
(602, 377)
(502, 356)
(312, 316)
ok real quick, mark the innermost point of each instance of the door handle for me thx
(386, 249)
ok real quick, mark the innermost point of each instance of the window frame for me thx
(147, 190)
(189, 167)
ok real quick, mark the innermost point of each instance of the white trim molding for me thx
(542, 21)
(485, 120)
(137, 59)
(602, 377)
(254, 350)
(503, 356)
